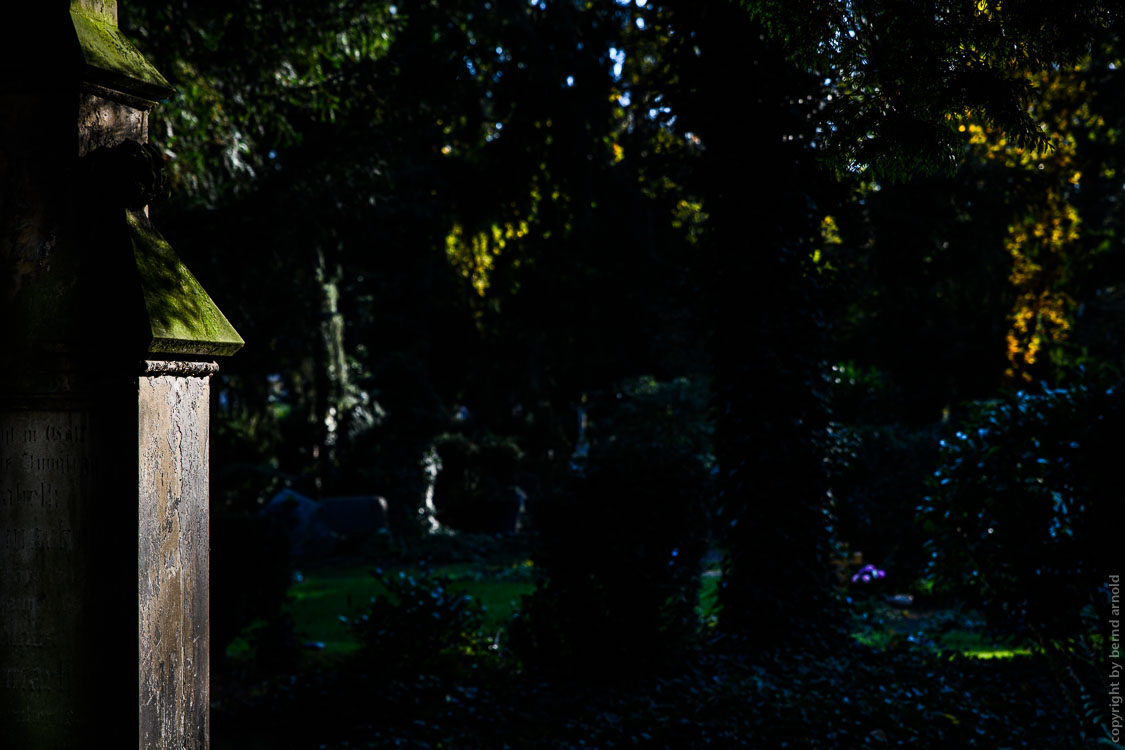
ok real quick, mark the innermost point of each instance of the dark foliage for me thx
(874, 488)
(921, 292)
(1021, 521)
(901, 69)
(621, 540)
(1021, 509)
(417, 627)
(764, 314)
(253, 557)
(877, 469)
(855, 697)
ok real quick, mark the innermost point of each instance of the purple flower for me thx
(867, 574)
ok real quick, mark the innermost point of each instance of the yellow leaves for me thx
(690, 214)
(474, 258)
(1042, 315)
(470, 257)
(1040, 319)
(985, 9)
(829, 235)
(1062, 107)
(1046, 230)
(618, 153)
(687, 212)
(664, 142)
(977, 134)
(829, 231)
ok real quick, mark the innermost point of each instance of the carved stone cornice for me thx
(155, 367)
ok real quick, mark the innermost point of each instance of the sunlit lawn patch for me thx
(318, 601)
(883, 628)
(971, 644)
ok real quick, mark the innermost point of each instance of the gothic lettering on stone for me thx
(36, 679)
(46, 466)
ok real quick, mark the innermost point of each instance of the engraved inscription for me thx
(44, 456)
(57, 537)
(46, 469)
(37, 679)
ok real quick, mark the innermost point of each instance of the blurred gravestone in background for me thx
(330, 527)
(108, 344)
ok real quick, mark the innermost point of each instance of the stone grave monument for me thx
(106, 346)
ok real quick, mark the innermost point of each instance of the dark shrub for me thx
(1020, 510)
(876, 484)
(1022, 520)
(418, 627)
(250, 577)
(877, 470)
(621, 539)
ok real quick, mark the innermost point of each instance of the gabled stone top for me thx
(182, 318)
(110, 60)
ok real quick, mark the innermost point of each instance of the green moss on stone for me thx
(106, 10)
(182, 316)
(111, 59)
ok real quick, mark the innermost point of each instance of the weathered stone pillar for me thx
(106, 346)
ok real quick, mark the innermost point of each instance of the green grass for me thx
(324, 599)
(979, 646)
(975, 645)
(321, 602)
(937, 631)
(317, 603)
(708, 609)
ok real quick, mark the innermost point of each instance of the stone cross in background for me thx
(107, 343)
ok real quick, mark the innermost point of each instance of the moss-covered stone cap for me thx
(110, 59)
(182, 317)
